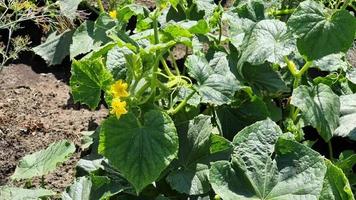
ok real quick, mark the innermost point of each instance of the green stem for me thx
(344, 6)
(174, 63)
(166, 68)
(220, 31)
(42, 182)
(282, 12)
(155, 67)
(101, 7)
(330, 147)
(181, 104)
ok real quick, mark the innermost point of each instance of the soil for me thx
(36, 109)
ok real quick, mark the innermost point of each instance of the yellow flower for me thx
(119, 89)
(118, 107)
(113, 14)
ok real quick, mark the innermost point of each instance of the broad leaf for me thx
(331, 62)
(13, 193)
(351, 75)
(192, 180)
(90, 35)
(335, 186)
(296, 173)
(216, 83)
(268, 41)
(140, 150)
(233, 120)
(89, 78)
(347, 127)
(251, 9)
(316, 27)
(56, 48)
(116, 61)
(320, 108)
(194, 142)
(264, 80)
(80, 190)
(45, 161)
(69, 8)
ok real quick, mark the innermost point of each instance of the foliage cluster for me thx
(226, 121)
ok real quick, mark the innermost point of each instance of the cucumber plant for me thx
(229, 119)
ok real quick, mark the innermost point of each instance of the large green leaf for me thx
(69, 7)
(296, 173)
(216, 83)
(347, 127)
(79, 190)
(90, 35)
(335, 186)
(116, 61)
(251, 9)
(56, 47)
(232, 119)
(89, 78)
(331, 62)
(194, 142)
(351, 75)
(320, 108)
(316, 28)
(264, 80)
(140, 150)
(268, 41)
(13, 193)
(44, 161)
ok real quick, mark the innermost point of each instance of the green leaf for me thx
(335, 186)
(192, 180)
(89, 78)
(125, 13)
(320, 108)
(347, 127)
(296, 173)
(140, 150)
(79, 190)
(13, 193)
(250, 9)
(268, 41)
(56, 48)
(44, 161)
(194, 142)
(91, 35)
(264, 80)
(316, 27)
(351, 75)
(331, 62)
(233, 119)
(207, 6)
(69, 8)
(83, 40)
(216, 83)
(116, 61)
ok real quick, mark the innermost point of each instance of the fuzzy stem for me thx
(101, 7)
(181, 104)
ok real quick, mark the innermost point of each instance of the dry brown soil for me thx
(35, 110)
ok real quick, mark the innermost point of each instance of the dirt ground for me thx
(36, 109)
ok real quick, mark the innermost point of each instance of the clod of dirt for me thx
(36, 110)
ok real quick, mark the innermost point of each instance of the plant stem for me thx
(181, 104)
(331, 154)
(281, 12)
(220, 31)
(166, 68)
(156, 64)
(346, 3)
(297, 74)
(42, 182)
(101, 7)
(174, 63)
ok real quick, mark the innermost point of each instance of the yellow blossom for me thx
(113, 14)
(119, 89)
(118, 107)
